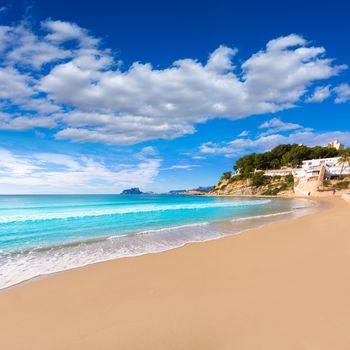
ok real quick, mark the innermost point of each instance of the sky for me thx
(99, 96)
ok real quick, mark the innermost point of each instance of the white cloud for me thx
(61, 31)
(343, 93)
(184, 167)
(63, 72)
(220, 60)
(118, 130)
(8, 122)
(320, 94)
(283, 42)
(282, 73)
(174, 99)
(60, 173)
(14, 85)
(15, 166)
(18, 92)
(214, 149)
(148, 151)
(23, 48)
(276, 125)
(244, 133)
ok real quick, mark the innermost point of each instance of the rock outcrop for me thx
(134, 190)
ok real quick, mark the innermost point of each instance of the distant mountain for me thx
(134, 190)
(197, 191)
(177, 191)
(203, 188)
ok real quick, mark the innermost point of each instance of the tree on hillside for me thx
(261, 161)
(296, 155)
(227, 175)
(280, 150)
(245, 165)
(318, 152)
(344, 159)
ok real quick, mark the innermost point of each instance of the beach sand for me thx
(284, 286)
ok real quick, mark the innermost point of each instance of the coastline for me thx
(283, 285)
(186, 233)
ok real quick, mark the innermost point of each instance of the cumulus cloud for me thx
(320, 94)
(14, 86)
(17, 91)
(61, 173)
(221, 59)
(8, 122)
(63, 71)
(118, 130)
(21, 47)
(342, 92)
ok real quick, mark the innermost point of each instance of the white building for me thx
(335, 144)
(313, 168)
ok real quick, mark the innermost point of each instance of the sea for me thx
(44, 234)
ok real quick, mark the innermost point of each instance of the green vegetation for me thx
(290, 180)
(271, 191)
(282, 184)
(283, 155)
(276, 188)
(226, 175)
(343, 185)
(258, 179)
(343, 160)
(326, 182)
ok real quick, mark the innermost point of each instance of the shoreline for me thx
(281, 286)
(315, 207)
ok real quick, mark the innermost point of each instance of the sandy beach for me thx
(283, 286)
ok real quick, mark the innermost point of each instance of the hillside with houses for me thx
(289, 170)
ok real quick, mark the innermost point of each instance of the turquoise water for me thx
(43, 234)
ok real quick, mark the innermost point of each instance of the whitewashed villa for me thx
(315, 167)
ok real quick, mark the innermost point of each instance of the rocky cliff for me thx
(257, 185)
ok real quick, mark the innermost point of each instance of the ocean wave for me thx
(127, 210)
(18, 267)
(162, 229)
(262, 216)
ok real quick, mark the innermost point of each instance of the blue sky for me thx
(99, 96)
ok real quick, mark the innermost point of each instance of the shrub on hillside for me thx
(342, 185)
(259, 179)
(290, 179)
(226, 175)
